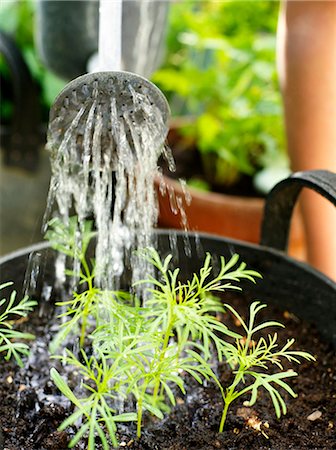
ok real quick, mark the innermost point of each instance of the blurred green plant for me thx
(12, 341)
(220, 68)
(17, 19)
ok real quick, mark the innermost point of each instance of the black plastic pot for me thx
(288, 283)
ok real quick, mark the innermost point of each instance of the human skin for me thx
(306, 56)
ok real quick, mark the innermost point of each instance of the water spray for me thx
(106, 132)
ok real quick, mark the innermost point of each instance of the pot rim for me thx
(288, 283)
(25, 251)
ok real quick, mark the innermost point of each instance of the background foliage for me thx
(220, 68)
(17, 19)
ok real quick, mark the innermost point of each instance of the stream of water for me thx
(110, 30)
(108, 175)
(104, 142)
(104, 165)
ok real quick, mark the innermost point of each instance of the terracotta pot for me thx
(232, 216)
(224, 215)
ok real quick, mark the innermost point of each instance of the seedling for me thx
(142, 348)
(186, 310)
(10, 339)
(247, 356)
(94, 410)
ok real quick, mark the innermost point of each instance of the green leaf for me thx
(268, 324)
(80, 433)
(169, 392)
(64, 388)
(94, 426)
(73, 418)
(125, 417)
(109, 422)
(235, 313)
(153, 410)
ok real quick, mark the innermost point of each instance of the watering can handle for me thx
(282, 198)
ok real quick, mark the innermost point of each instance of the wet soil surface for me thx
(31, 408)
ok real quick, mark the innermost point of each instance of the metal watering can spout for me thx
(113, 95)
(121, 99)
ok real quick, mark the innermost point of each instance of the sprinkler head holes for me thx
(125, 103)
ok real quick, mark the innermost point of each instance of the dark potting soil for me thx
(31, 408)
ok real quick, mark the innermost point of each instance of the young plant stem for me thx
(139, 422)
(230, 396)
(164, 349)
(140, 409)
(88, 278)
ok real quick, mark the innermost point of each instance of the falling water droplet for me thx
(168, 156)
(186, 191)
(199, 246)
(32, 274)
(172, 200)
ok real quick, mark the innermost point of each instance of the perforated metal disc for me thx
(131, 94)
